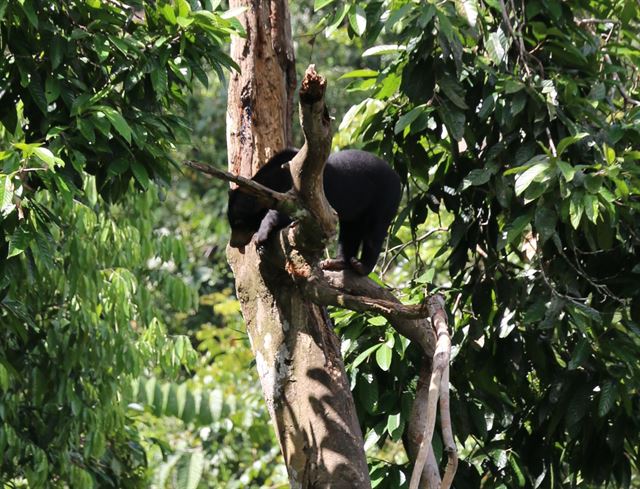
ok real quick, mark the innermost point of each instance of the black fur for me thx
(363, 189)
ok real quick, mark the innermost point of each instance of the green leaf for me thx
(190, 470)
(468, 9)
(576, 209)
(384, 49)
(19, 242)
(580, 353)
(394, 422)
(168, 13)
(622, 189)
(358, 20)
(37, 93)
(363, 73)
(517, 104)
(453, 119)
(488, 104)
(377, 321)
(513, 86)
(453, 91)
(4, 378)
(566, 142)
(183, 8)
(408, 118)
(497, 45)
(6, 194)
(514, 230)
(545, 223)
(609, 154)
(365, 355)
(159, 81)
(384, 354)
(608, 394)
(593, 183)
(27, 7)
(51, 89)
(338, 17)
(517, 470)
(118, 122)
(479, 176)
(367, 391)
(536, 172)
(48, 157)
(591, 207)
(318, 4)
(568, 171)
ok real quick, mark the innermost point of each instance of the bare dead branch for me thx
(307, 168)
(447, 432)
(440, 363)
(352, 291)
(595, 21)
(417, 421)
(285, 202)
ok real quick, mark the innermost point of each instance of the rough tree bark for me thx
(297, 354)
(282, 292)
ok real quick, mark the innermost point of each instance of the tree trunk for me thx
(297, 354)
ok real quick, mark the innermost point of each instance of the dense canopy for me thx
(515, 127)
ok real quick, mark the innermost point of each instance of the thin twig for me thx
(518, 39)
(401, 247)
(595, 21)
(552, 145)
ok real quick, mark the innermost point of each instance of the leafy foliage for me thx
(217, 416)
(519, 124)
(90, 98)
(233, 436)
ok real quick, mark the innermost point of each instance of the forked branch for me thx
(437, 386)
(301, 249)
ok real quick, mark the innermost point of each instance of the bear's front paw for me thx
(260, 238)
(334, 264)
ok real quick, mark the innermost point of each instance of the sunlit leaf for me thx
(190, 470)
(527, 177)
(497, 45)
(383, 49)
(318, 4)
(358, 20)
(469, 10)
(384, 354)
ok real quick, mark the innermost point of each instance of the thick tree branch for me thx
(353, 291)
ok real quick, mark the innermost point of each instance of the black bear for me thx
(362, 188)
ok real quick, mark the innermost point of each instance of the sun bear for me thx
(362, 188)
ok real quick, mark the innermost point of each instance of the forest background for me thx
(516, 128)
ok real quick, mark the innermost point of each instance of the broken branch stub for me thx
(307, 168)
